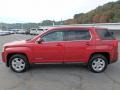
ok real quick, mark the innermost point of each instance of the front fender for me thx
(22, 50)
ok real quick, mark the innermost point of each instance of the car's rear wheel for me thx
(19, 63)
(98, 63)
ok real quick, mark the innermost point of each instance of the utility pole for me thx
(61, 22)
(0, 26)
(21, 26)
(53, 22)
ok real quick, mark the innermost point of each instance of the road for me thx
(57, 77)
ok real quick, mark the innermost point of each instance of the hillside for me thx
(108, 13)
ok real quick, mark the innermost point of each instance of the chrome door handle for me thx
(87, 43)
(58, 44)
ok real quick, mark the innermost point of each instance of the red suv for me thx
(93, 46)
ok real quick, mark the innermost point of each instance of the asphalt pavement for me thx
(57, 77)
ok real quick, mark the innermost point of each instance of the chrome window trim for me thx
(71, 40)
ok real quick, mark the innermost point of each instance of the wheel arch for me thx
(11, 54)
(106, 54)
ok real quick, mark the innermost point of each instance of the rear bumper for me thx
(115, 58)
(113, 61)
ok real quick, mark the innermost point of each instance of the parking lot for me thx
(57, 77)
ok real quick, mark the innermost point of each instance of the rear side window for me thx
(105, 34)
(77, 35)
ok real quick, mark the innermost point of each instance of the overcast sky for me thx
(13, 11)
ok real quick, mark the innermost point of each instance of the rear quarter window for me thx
(104, 34)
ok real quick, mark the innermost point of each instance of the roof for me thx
(74, 27)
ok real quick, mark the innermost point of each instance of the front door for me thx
(51, 49)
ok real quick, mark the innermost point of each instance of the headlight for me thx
(3, 49)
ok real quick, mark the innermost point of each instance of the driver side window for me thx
(53, 36)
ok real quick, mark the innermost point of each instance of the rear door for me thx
(77, 44)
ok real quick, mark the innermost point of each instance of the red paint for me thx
(62, 51)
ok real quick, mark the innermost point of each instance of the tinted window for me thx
(77, 35)
(105, 34)
(53, 36)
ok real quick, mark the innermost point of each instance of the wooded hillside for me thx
(108, 13)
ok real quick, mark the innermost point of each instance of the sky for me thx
(24, 11)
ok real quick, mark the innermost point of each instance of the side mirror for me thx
(40, 41)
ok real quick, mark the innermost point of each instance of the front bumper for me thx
(3, 57)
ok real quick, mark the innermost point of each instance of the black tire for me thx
(22, 60)
(96, 67)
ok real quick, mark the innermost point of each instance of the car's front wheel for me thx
(98, 63)
(18, 63)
